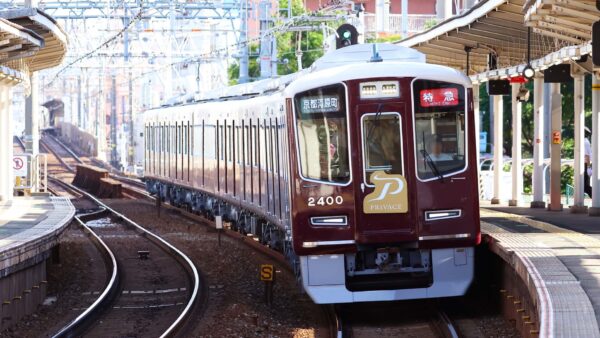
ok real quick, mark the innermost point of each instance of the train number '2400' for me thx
(329, 200)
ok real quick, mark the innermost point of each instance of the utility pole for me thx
(266, 41)
(243, 76)
(113, 123)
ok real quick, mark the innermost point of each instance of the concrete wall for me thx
(86, 142)
(21, 292)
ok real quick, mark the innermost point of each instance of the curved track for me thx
(148, 296)
(142, 296)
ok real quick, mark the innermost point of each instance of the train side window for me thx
(177, 137)
(263, 145)
(247, 140)
(271, 146)
(197, 140)
(256, 148)
(238, 141)
(203, 155)
(230, 141)
(209, 141)
(221, 145)
(185, 138)
(153, 138)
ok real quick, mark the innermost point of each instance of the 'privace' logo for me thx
(389, 197)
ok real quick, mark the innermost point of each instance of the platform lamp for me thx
(528, 71)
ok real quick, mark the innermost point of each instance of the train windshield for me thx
(439, 128)
(382, 144)
(323, 134)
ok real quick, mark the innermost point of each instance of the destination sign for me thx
(439, 97)
(319, 104)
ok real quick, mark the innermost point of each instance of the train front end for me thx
(384, 181)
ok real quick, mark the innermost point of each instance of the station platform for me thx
(30, 227)
(557, 256)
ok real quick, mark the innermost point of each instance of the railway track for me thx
(420, 319)
(153, 287)
(133, 188)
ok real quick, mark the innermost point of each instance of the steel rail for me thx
(77, 325)
(195, 278)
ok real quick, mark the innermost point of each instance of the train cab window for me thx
(322, 134)
(439, 128)
(382, 144)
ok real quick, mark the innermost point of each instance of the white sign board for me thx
(20, 165)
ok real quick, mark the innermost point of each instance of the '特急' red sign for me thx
(439, 97)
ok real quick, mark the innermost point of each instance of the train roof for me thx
(336, 66)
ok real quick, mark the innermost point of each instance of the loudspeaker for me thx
(558, 74)
(498, 87)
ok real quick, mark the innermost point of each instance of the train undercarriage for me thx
(239, 219)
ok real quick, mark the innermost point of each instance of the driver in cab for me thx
(437, 153)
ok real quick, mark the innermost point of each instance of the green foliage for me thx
(384, 39)
(528, 178)
(253, 70)
(527, 118)
(566, 177)
(429, 24)
(310, 43)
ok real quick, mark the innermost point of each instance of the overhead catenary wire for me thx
(273, 31)
(105, 44)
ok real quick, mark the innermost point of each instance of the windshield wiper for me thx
(376, 120)
(431, 164)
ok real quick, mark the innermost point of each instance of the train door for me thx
(382, 194)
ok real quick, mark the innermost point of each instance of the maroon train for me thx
(362, 171)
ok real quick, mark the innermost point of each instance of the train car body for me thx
(361, 171)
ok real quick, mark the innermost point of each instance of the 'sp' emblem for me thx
(390, 195)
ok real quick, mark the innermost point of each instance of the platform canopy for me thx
(16, 43)
(569, 20)
(499, 28)
(55, 40)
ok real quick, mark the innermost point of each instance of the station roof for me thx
(499, 27)
(54, 47)
(563, 19)
(17, 41)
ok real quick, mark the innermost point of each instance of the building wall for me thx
(414, 7)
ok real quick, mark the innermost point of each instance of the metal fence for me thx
(393, 24)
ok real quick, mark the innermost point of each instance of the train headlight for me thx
(329, 221)
(379, 89)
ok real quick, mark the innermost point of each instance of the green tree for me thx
(233, 71)
(310, 43)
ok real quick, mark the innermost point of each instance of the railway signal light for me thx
(346, 35)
